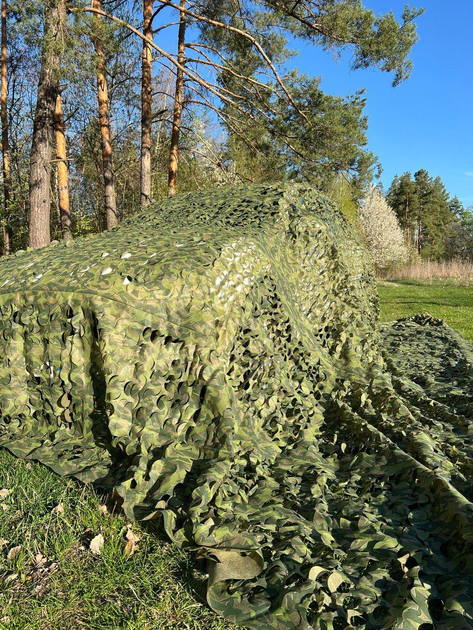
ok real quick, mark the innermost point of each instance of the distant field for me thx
(452, 272)
(454, 304)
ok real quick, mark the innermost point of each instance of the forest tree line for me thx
(107, 105)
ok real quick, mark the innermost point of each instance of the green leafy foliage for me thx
(459, 243)
(217, 361)
(261, 124)
(424, 211)
(376, 40)
(330, 142)
(286, 128)
(344, 194)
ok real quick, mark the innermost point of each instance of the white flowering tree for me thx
(381, 229)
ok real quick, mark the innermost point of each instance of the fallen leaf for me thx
(132, 542)
(11, 577)
(59, 509)
(3, 542)
(4, 493)
(14, 552)
(96, 544)
(40, 559)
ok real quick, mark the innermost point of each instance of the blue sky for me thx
(427, 121)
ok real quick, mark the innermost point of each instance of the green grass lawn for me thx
(52, 580)
(453, 304)
(55, 582)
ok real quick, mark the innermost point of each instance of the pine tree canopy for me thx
(424, 210)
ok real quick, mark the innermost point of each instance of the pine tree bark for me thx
(104, 121)
(178, 102)
(42, 142)
(7, 230)
(146, 104)
(62, 171)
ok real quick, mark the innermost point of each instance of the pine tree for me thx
(42, 141)
(291, 117)
(422, 206)
(146, 104)
(7, 228)
(104, 121)
(402, 197)
(62, 171)
(330, 142)
(459, 243)
(243, 41)
(228, 69)
(178, 99)
(435, 218)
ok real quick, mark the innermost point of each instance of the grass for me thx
(55, 582)
(441, 299)
(431, 272)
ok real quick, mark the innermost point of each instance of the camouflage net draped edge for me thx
(217, 360)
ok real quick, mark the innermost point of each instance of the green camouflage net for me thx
(216, 359)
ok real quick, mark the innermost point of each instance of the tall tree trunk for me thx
(42, 142)
(62, 171)
(104, 121)
(146, 105)
(7, 230)
(178, 102)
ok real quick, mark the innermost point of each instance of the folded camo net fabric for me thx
(217, 360)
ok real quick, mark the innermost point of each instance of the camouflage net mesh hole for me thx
(217, 360)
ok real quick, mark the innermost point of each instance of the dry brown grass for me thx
(457, 271)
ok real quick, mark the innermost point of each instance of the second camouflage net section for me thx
(216, 359)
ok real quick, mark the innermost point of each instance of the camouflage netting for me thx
(216, 359)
